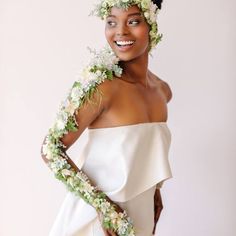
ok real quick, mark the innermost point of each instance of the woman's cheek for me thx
(108, 34)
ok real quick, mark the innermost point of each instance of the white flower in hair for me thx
(152, 12)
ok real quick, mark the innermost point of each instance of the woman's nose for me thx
(122, 30)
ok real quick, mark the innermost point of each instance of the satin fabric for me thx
(127, 163)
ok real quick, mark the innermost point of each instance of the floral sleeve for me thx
(104, 65)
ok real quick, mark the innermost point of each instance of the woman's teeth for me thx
(124, 43)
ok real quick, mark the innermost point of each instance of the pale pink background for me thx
(42, 48)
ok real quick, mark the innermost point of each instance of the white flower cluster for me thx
(149, 9)
(103, 66)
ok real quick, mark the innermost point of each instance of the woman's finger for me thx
(112, 233)
(106, 233)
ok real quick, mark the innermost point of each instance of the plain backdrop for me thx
(42, 50)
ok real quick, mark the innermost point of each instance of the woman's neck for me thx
(136, 71)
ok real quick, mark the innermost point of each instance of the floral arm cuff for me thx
(104, 65)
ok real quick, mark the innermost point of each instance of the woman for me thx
(126, 153)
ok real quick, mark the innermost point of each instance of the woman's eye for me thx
(111, 23)
(134, 22)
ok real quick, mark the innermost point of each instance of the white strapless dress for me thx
(127, 163)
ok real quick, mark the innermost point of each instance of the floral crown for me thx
(149, 9)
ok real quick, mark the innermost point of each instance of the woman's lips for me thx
(124, 45)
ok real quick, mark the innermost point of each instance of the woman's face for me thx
(127, 33)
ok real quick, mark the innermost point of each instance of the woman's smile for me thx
(124, 45)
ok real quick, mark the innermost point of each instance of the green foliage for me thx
(71, 125)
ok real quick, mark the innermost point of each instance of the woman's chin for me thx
(127, 57)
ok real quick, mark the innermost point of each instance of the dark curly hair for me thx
(158, 3)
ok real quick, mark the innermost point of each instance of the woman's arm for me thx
(68, 127)
(158, 206)
(84, 116)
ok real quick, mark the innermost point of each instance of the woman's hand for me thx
(108, 232)
(157, 207)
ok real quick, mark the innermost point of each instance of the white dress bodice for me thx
(126, 163)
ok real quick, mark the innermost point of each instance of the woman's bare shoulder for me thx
(108, 90)
(164, 86)
(109, 86)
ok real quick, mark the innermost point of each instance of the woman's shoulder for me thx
(108, 89)
(163, 85)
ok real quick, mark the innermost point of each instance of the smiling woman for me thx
(123, 106)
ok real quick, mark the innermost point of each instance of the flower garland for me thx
(149, 9)
(103, 66)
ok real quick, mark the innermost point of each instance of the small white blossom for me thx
(76, 93)
(71, 107)
(57, 164)
(146, 14)
(114, 215)
(153, 12)
(145, 4)
(66, 172)
(88, 187)
(81, 176)
(96, 203)
(98, 73)
(105, 207)
(61, 120)
(47, 151)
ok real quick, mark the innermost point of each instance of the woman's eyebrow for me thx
(135, 14)
(131, 14)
